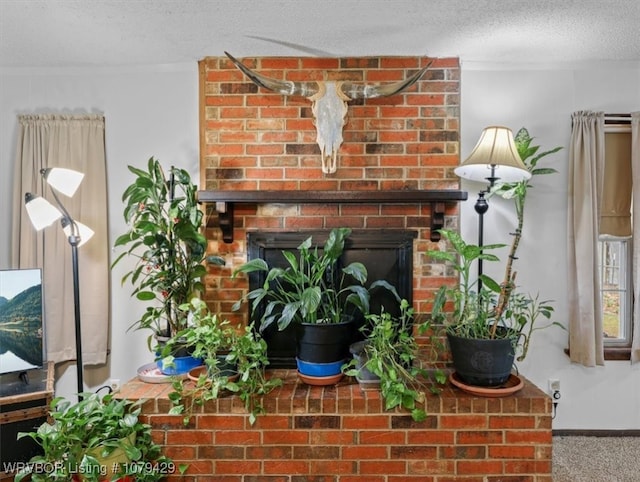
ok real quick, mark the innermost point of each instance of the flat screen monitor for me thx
(21, 320)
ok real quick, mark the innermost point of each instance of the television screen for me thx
(21, 327)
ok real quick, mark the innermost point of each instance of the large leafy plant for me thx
(497, 310)
(312, 288)
(475, 313)
(164, 236)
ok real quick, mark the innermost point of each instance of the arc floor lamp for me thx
(42, 214)
(494, 158)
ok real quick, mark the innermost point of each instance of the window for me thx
(615, 273)
(615, 246)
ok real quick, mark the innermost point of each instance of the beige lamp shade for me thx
(63, 180)
(495, 148)
(85, 233)
(41, 212)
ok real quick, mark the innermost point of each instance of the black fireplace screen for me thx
(387, 255)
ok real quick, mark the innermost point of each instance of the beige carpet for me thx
(596, 459)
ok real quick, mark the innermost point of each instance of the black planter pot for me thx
(224, 369)
(179, 349)
(325, 342)
(481, 362)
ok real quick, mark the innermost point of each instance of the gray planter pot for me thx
(364, 376)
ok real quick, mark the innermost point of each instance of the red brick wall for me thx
(255, 139)
(343, 434)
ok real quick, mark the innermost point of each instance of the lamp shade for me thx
(84, 232)
(63, 180)
(41, 212)
(495, 148)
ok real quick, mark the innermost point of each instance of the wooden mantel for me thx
(225, 201)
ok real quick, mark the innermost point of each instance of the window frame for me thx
(619, 348)
(625, 289)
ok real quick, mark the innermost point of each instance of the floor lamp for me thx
(42, 214)
(495, 157)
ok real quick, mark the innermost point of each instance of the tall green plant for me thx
(164, 237)
(222, 345)
(518, 192)
(498, 310)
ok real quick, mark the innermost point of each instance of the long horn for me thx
(285, 87)
(365, 91)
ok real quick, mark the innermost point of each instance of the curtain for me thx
(74, 142)
(635, 169)
(586, 173)
(615, 206)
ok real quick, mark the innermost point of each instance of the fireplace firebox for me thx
(387, 254)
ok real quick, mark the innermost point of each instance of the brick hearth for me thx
(342, 434)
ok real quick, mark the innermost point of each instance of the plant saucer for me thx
(194, 374)
(150, 373)
(368, 383)
(511, 386)
(320, 381)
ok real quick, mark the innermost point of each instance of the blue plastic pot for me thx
(314, 369)
(180, 366)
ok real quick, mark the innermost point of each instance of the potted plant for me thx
(95, 439)
(165, 239)
(489, 326)
(235, 360)
(207, 338)
(319, 297)
(389, 354)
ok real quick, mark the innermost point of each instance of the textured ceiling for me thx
(38, 33)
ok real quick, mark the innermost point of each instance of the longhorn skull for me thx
(329, 103)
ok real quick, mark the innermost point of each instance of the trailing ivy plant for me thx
(390, 351)
(80, 434)
(221, 346)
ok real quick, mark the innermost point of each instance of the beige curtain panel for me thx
(74, 142)
(586, 170)
(635, 163)
(615, 214)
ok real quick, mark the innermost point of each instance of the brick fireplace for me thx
(257, 141)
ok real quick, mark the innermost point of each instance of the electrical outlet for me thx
(554, 389)
(114, 383)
